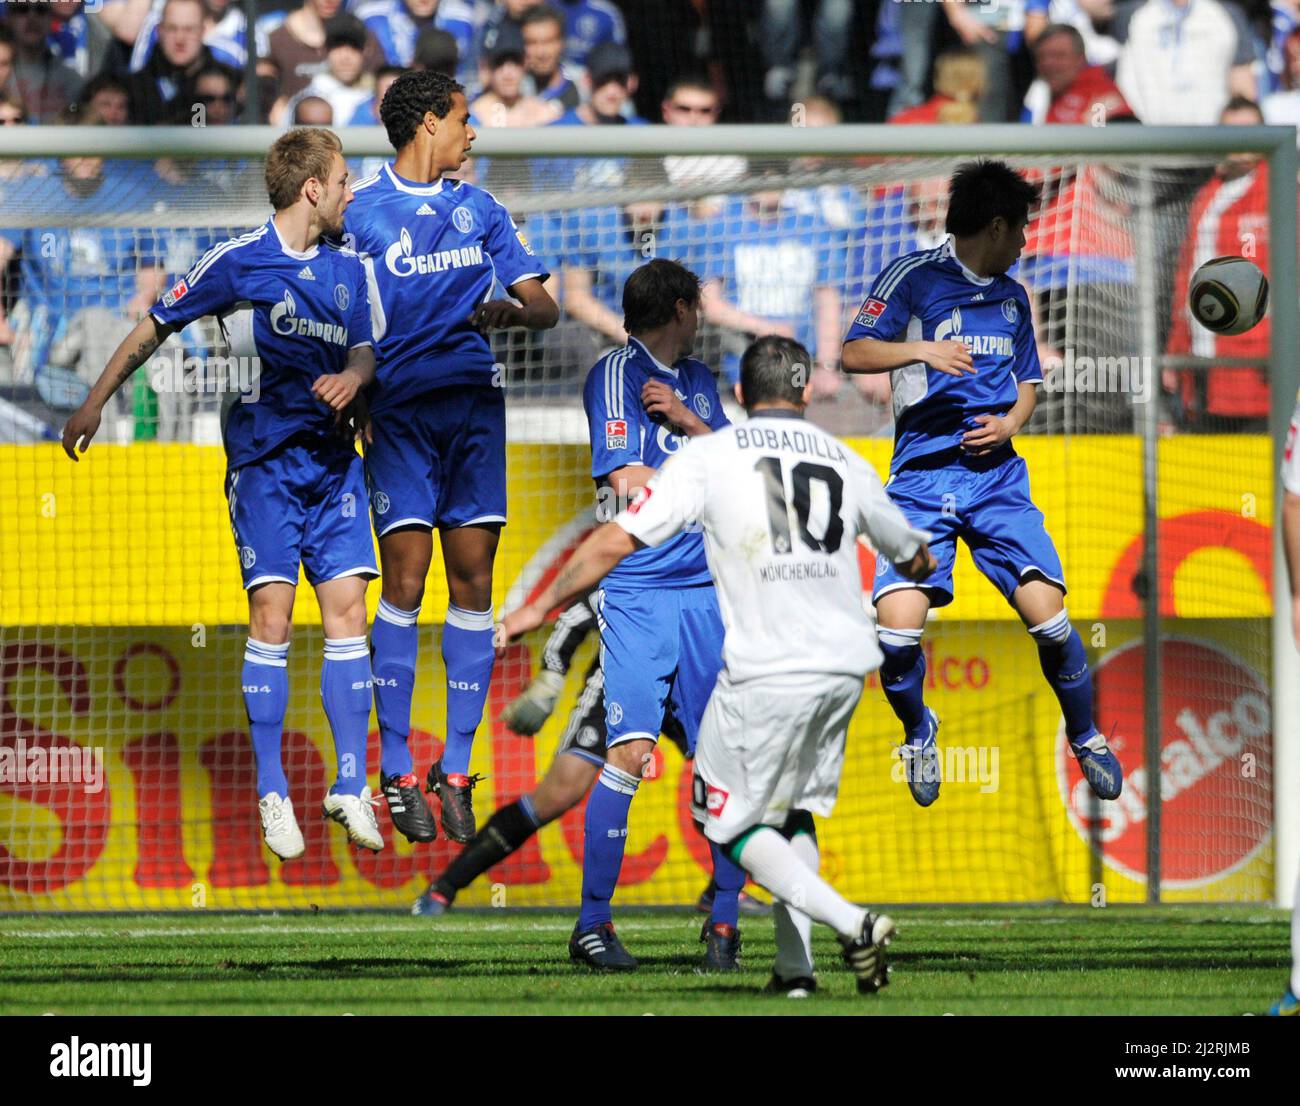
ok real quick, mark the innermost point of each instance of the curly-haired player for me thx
(438, 457)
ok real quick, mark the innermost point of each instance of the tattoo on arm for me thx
(136, 358)
(568, 576)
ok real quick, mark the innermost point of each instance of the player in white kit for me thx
(781, 504)
(1289, 1004)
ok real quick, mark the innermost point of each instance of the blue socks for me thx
(728, 881)
(606, 838)
(266, 695)
(394, 640)
(1065, 664)
(468, 655)
(345, 692)
(902, 675)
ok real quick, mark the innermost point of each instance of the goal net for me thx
(126, 772)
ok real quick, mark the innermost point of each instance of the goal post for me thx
(120, 608)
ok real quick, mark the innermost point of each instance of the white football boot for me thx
(356, 814)
(279, 827)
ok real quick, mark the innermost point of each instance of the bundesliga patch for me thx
(717, 799)
(616, 434)
(523, 241)
(178, 292)
(871, 311)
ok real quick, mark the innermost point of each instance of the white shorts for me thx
(773, 745)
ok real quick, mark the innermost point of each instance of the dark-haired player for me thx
(955, 333)
(438, 457)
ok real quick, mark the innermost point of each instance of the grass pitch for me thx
(968, 960)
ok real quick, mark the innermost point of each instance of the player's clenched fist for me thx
(83, 426)
(496, 315)
(337, 390)
(949, 356)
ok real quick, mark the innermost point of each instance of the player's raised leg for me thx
(405, 554)
(346, 694)
(793, 973)
(566, 782)
(900, 618)
(468, 553)
(265, 680)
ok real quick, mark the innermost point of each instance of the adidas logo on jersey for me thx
(306, 273)
(977, 296)
(424, 209)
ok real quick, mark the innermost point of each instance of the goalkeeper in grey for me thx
(781, 504)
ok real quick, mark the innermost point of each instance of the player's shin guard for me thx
(603, 845)
(505, 832)
(902, 675)
(468, 654)
(346, 694)
(1065, 664)
(266, 695)
(394, 642)
(728, 882)
(775, 863)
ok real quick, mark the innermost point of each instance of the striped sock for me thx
(345, 692)
(469, 656)
(266, 695)
(604, 843)
(394, 643)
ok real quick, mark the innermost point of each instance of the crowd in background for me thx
(780, 260)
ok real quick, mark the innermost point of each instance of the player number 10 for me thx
(778, 506)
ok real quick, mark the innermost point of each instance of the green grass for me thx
(968, 960)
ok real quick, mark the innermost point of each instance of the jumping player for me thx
(284, 295)
(440, 247)
(955, 333)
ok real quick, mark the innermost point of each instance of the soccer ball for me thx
(1228, 295)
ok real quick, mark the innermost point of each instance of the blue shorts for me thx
(659, 648)
(985, 502)
(304, 503)
(441, 461)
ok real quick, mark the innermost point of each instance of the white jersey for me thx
(1291, 461)
(781, 504)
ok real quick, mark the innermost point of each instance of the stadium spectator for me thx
(504, 102)
(11, 111)
(549, 76)
(909, 29)
(959, 79)
(692, 102)
(398, 24)
(224, 33)
(215, 89)
(781, 39)
(1085, 16)
(1228, 216)
(312, 111)
(163, 91)
(81, 286)
(1281, 108)
(768, 266)
(296, 48)
(613, 84)
(1068, 89)
(437, 52)
(8, 54)
(344, 84)
(993, 28)
(108, 97)
(589, 24)
(1190, 84)
(78, 40)
(505, 17)
(45, 84)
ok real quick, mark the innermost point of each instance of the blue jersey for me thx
(397, 31)
(769, 264)
(622, 433)
(588, 24)
(437, 250)
(297, 313)
(609, 246)
(931, 296)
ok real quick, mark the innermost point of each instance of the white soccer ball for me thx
(1228, 295)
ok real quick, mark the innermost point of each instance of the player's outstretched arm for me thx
(591, 562)
(994, 430)
(871, 355)
(535, 309)
(136, 348)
